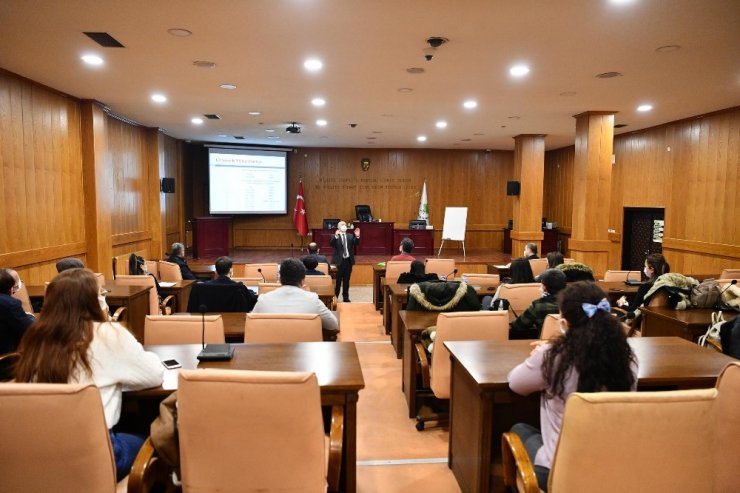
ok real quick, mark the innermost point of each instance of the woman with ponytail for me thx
(592, 355)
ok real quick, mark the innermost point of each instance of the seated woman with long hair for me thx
(655, 266)
(73, 342)
(592, 355)
(521, 273)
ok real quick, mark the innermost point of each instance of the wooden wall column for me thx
(98, 187)
(157, 208)
(529, 170)
(592, 174)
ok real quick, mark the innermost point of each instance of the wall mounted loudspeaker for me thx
(512, 188)
(168, 185)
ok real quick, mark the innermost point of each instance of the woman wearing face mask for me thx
(528, 325)
(655, 266)
(592, 356)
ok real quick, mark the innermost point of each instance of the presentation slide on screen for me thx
(247, 182)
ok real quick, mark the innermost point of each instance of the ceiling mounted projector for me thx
(293, 128)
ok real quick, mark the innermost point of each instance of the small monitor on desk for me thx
(417, 224)
(331, 223)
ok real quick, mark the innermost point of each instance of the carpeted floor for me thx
(391, 455)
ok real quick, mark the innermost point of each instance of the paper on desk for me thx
(497, 266)
(166, 284)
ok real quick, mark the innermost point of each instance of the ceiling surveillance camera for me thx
(429, 53)
(353, 125)
(436, 41)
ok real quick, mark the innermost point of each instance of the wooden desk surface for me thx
(662, 361)
(688, 324)
(415, 321)
(114, 290)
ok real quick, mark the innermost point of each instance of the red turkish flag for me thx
(300, 220)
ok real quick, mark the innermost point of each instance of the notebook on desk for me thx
(163, 284)
(216, 352)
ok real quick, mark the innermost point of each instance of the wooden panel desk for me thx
(663, 321)
(414, 323)
(482, 406)
(378, 276)
(204, 272)
(615, 290)
(134, 298)
(423, 240)
(181, 291)
(335, 364)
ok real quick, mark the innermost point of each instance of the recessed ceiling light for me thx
(377, 132)
(668, 48)
(255, 113)
(465, 140)
(273, 136)
(422, 138)
(608, 75)
(621, 2)
(371, 138)
(479, 134)
(321, 123)
(222, 136)
(644, 107)
(405, 90)
(568, 93)
(513, 117)
(470, 104)
(204, 64)
(92, 60)
(441, 124)
(387, 115)
(179, 32)
(196, 121)
(159, 98)
(313, 64)
(519, 70)
(269, 130)
(415, 70)
(230, 87)
(318, 102)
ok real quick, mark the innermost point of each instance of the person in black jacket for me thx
(13, 320)
(177, 256)
(222, 294)
(344, 257)
(416, 274)
(655, 266)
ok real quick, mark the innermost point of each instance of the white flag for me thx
(423, 205)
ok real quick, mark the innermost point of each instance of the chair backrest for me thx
(169, 272)
(462, 326)
(318, 281)
(269, 271)
(143, 280)
(277, 414)
(621, 275)
(671, 451)
(394, 268)
(660, 298)
(443, 267)
(538, 265)
(54, 438)
(239, 270)
(152, 266)
(323, 267)
(726, 447)
(485, 281)
(730, 274)
(520, 296)
(22, 296)
(282, 327)
(551, 327)
(363, 213)
(183, 329)
(266, 287)
(100, 277)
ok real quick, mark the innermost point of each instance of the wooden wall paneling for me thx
(529, 170)
(156, 212)
(173, 203)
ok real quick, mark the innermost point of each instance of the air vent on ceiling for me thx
(104, 39)
(212, 116)
(239, 137)
(608, 75)
(620, 125)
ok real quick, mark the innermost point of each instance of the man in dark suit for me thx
(222, 294)
(313, 251)
(177, 256)
(344, 257)
(13, 320)
(530, 251)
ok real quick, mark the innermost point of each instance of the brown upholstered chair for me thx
(730, 274)
(520, 296)
(156, 307)
(226, 444)
(670, 451)
(394, 268)
(538, 265)
(726, 448)
(323, 267)
(266, 287)
(551, 327)
(169, 272)
(183, 329)
(621, 275)
(487, 282)
(318, 281)
(269, 271)
(282, 327)
(443, 267)
(152, 266)
(454, 326)
(55, 438)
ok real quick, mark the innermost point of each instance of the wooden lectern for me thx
(211, 236)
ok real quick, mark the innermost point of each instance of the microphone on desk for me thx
(203, 309)
(628, 281)
(263, 276)
(720, 305)
(444, 277)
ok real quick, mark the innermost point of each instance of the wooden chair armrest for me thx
(168, 300)
(619, 311)
(12, 359)
(423, 359)
(336, 443)
(119, 314)
(147, 470)
(516, 461)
